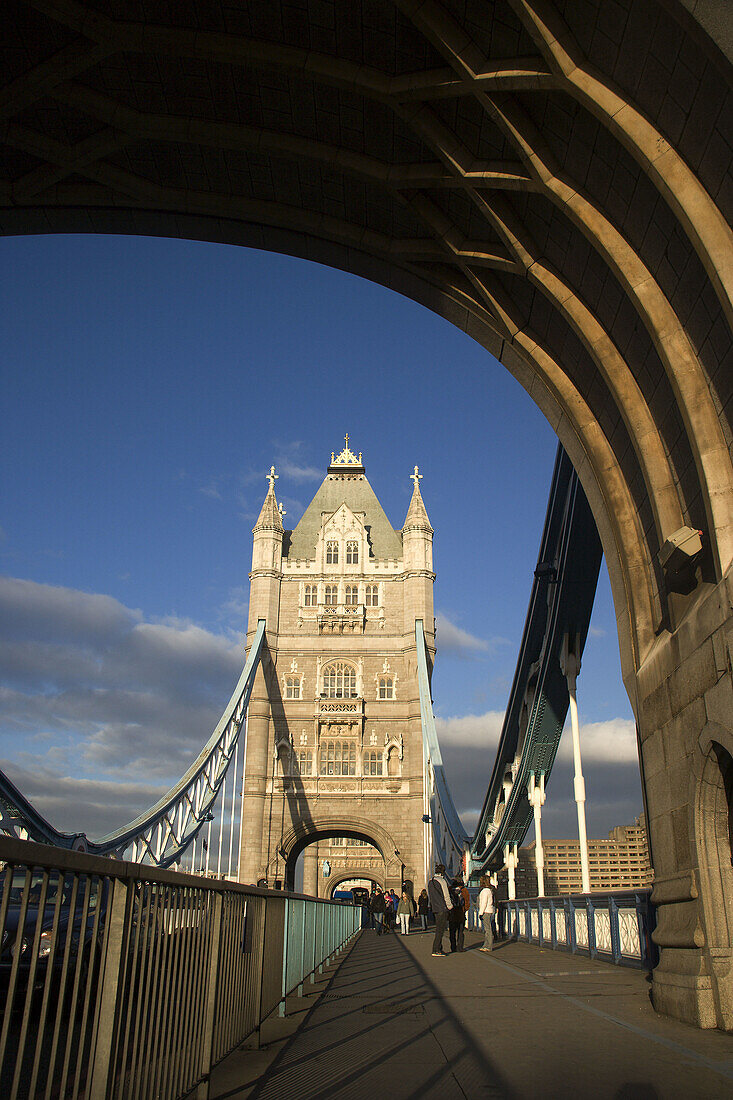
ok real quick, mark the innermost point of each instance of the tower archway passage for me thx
(552, 177)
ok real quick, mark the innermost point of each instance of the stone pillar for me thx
(310, 870)
(685, 722)
(253, 862)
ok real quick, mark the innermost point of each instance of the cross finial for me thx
(346, 440)
(281, 510)
(272, 478)
(416, 477)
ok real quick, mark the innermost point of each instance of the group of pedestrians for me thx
(449, 902)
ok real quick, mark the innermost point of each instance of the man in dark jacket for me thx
(379, 909)
(441, 904)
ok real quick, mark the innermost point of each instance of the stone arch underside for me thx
(552, 177)
(296, 839)
(367, 873)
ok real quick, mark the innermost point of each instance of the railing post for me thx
(591, 911)
(107, 1014)
(613, 925)
(212, 982)
(302, 947)
(286, 939)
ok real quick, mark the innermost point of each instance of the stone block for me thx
(692, 679)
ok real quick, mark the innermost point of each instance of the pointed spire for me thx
(417, 515)
(270, 517)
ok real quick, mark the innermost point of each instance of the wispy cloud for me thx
(597, 632)
(453, 639)
(211, 490)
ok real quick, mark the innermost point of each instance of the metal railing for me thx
(118, 980)
(615, 926)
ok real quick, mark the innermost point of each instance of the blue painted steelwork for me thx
(560, 605)
(615, 926)
(161, 835)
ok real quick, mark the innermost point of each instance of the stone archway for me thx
(366, 873)
(553, 181)
(300, 836)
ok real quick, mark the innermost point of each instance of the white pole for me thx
(231, 814)
(536, 795)
(221, 825)
(570, 663)
(579, 785)
(510, 859)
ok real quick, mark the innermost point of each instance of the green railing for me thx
(118, 980)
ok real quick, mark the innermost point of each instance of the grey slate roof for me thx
(357, 494)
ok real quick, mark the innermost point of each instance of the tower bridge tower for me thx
(334, 740)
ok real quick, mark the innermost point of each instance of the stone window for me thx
(372, 762)
(292, 687)
(338, 758)
(332, 553)
(386, 687)
(372, 595)
(304, 762)
(352, 595)
(339, 681)
(331, 595)
(310, 595)
(352, 553)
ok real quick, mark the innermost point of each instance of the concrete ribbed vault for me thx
(552, 177)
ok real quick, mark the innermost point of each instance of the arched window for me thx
(310, 595)
(339, 681)
(352, 553)
(292, 687)
(352, 595)
(386, 687)
(372, 762)
(332, 553)
(331, 595)
(372, 595)
(338, 758)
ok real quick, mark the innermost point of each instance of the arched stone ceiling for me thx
(553, 177)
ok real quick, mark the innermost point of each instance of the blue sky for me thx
(147, 387)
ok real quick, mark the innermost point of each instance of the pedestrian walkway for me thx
(393, 1021)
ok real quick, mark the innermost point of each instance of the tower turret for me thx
(417, 548)
(267, 550)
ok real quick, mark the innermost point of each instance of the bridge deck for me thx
(390, 1020)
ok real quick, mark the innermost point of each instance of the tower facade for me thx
(334, 739)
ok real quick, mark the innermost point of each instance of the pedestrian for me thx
(378, 908)
(441, 904)
(423, 908)
(486, 913)
(457, 916)
(405, 910)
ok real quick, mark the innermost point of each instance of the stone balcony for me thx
(341, 618)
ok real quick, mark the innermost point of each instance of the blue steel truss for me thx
(560, 607)
(161, 835)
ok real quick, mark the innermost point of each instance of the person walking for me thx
(405, 910)
(457, 916)
(441, 904)
(423, 909)
(378, 907)
(486, 912)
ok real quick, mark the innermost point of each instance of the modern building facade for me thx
(618, 863)
(334, 739)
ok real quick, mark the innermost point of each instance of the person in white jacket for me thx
(486, 912)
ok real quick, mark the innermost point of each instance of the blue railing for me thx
(616, 927)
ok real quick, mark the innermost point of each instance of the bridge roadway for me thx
(389, 1021)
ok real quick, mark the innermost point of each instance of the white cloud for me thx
(118, 697)
(453, 639)
(295, 472)
(471, 729)
(610, 742)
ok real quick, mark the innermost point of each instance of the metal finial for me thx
(272, 478)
